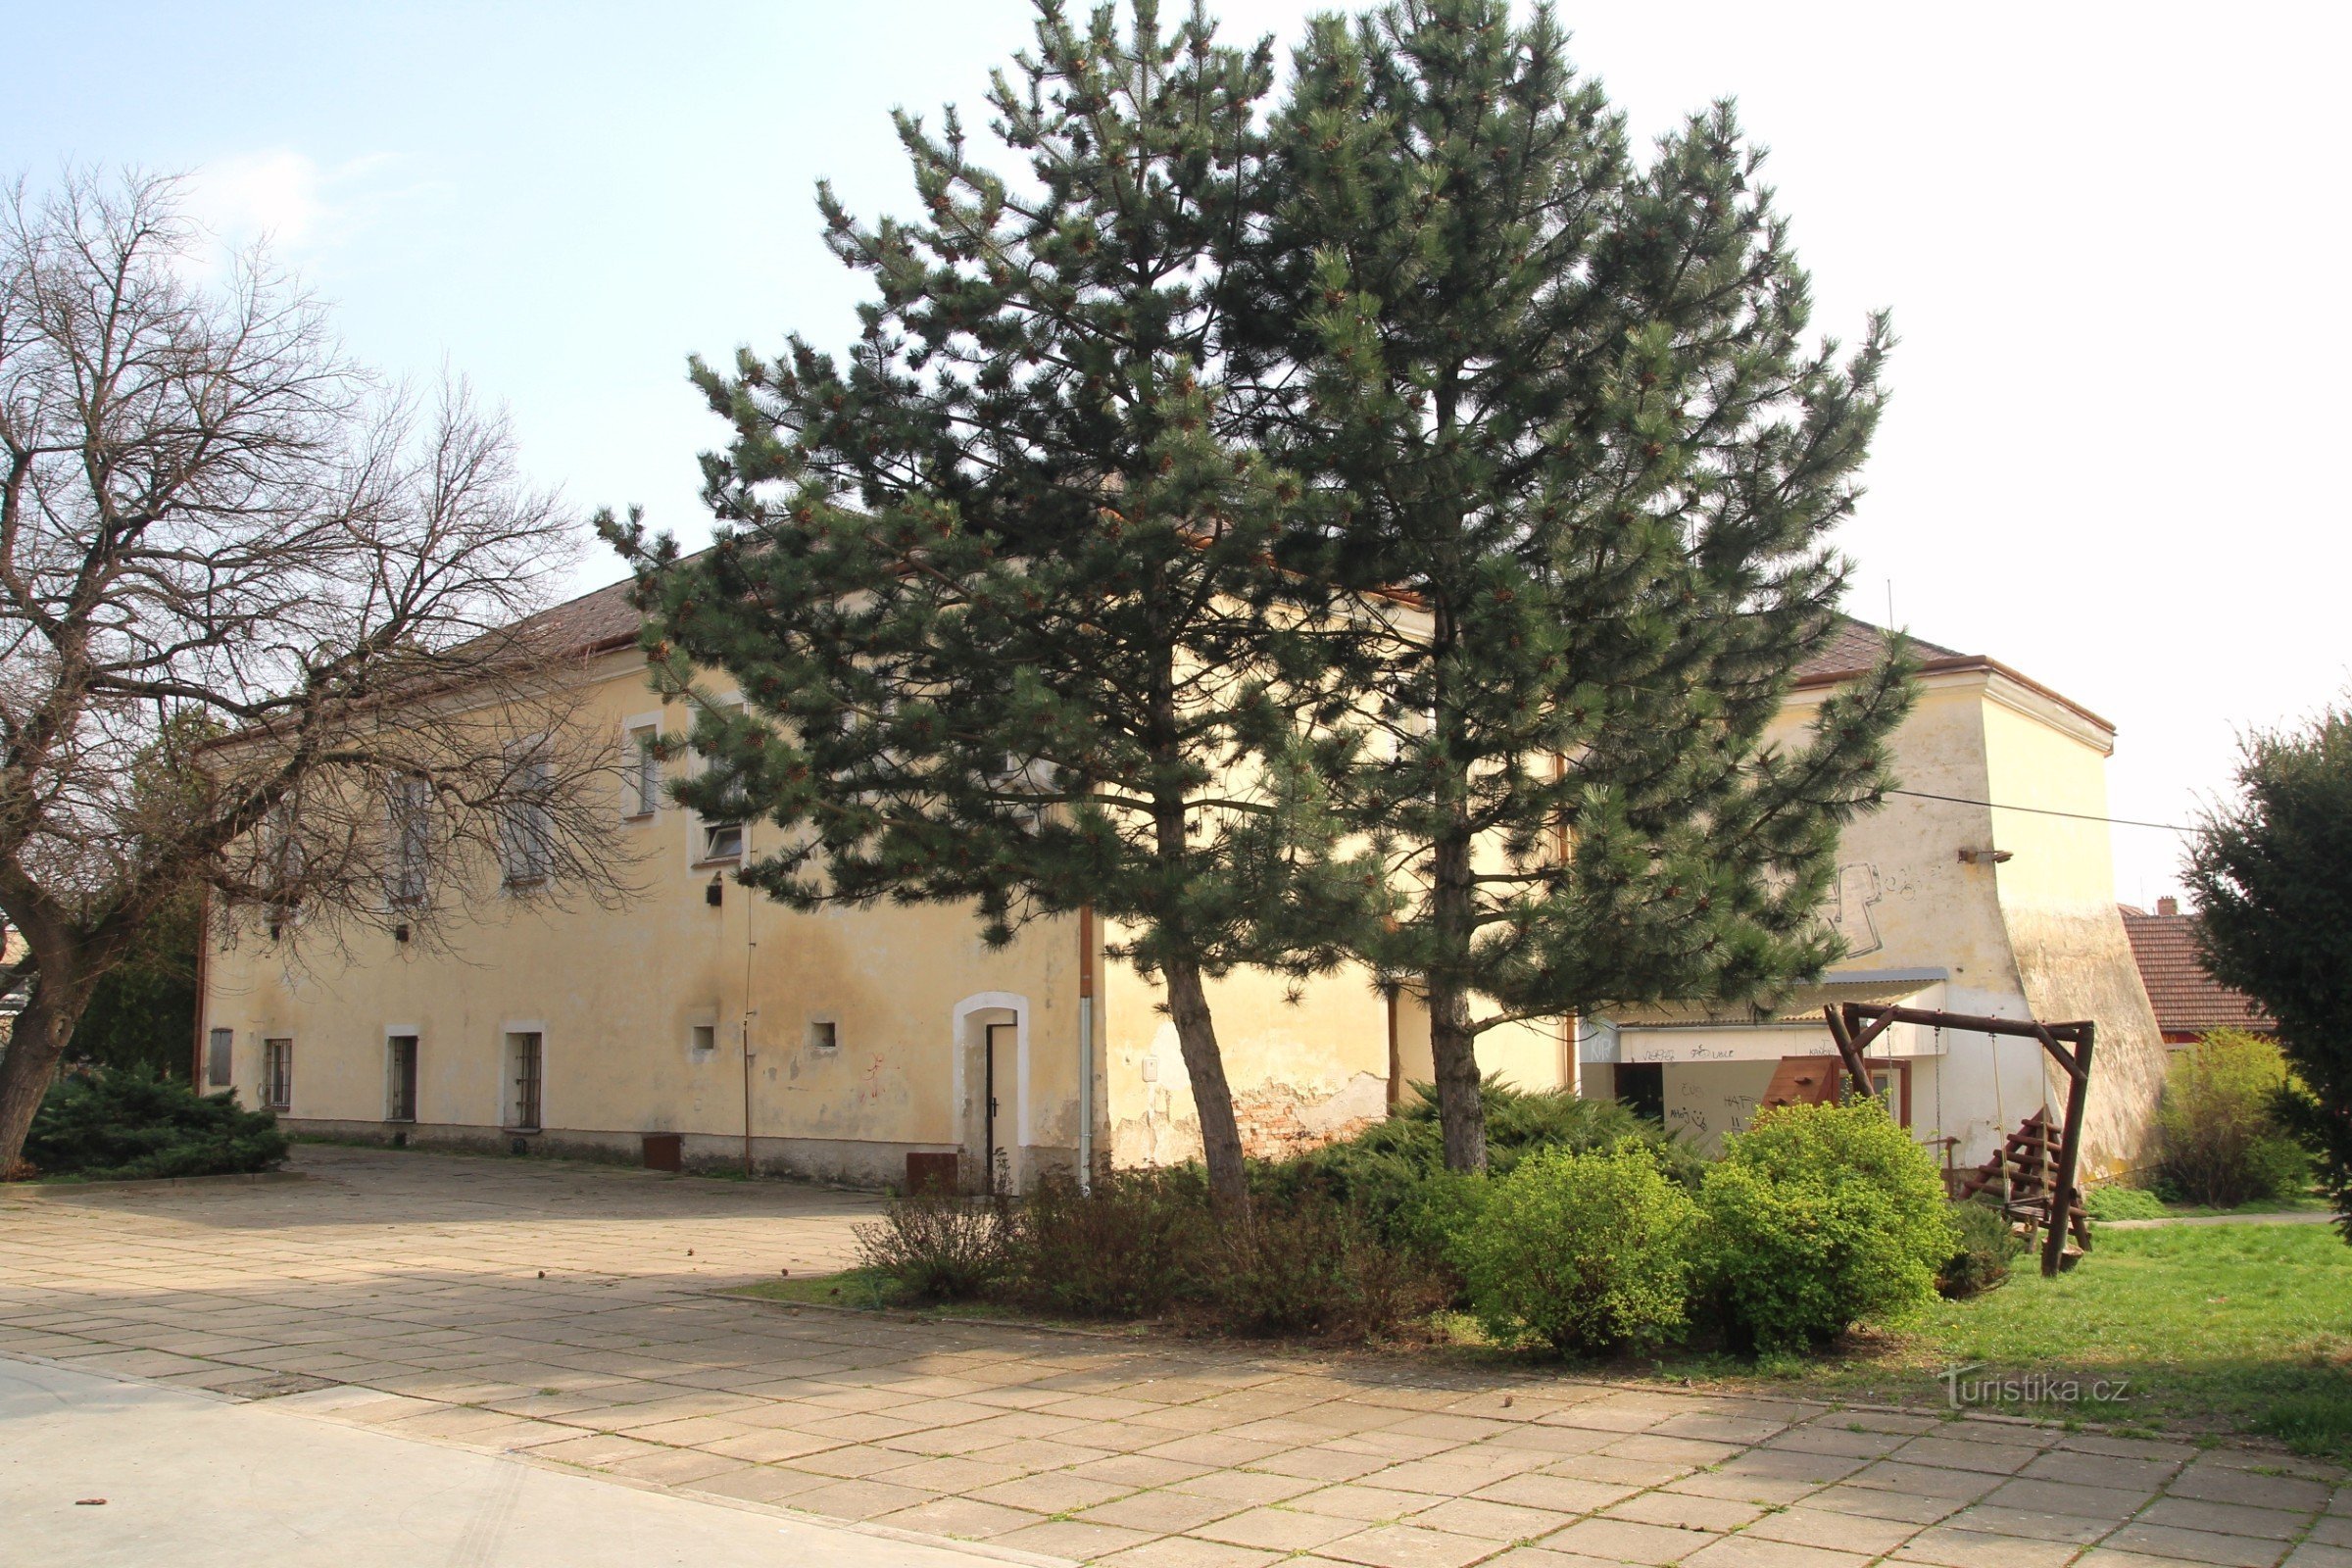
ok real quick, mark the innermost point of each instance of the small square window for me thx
(703, 1041)
(823, 1035)
(722, 841)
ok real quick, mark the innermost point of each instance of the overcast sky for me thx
(2112, 237)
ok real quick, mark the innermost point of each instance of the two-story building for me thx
(703, 1018)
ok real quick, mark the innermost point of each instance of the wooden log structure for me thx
(2058, 1206)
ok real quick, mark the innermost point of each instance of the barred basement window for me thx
(277, 1074)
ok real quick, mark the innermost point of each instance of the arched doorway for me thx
(991, 1089)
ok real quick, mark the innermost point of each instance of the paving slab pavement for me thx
(566, 1312)
(97, 1471)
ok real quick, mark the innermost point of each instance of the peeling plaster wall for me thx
(1303, 1071)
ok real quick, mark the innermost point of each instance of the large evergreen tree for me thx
(2273, 876)
(999, 590)
(1564, 400)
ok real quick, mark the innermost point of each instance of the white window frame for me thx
(700, 852)
(526, 831)
(407, 840)
(641, 770)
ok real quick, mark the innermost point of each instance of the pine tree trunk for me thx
(1453, 1043)
(34, 1045)
(1213, 1097)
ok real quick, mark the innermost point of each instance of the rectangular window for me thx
(722, 841)
(645, 772)
(408, 831)
(400, 1071)
(219, 1069)
(277, 1074)
(525, 1062)
(526, 826)
(824, 1035)
(1890, 1084)
(703, 1041)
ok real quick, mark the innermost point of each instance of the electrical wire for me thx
(2042, 810)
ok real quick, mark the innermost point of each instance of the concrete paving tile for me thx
(1322, 1464)
(1925, 1480)
(1052, 1493)
(1738, 1430)
(2058, 1496)
(2224, 1518)
(853, 1461)
(760, 1482)
(1362, 1502)
(2033, 1524)
(2313, 1554)
(1834, 1530)
(2089, 1468)
(1191, 1551)
(2332, 1529)
(1490, 1521)
(1559, 1493)
(1682, 1511)
(963, 1517)
(1454, 1475)
(1947, 1547)
(1253, 1488)
(675, 1467)
(1625, 1541)
(1860, 1444)
(1283, 1530)
(1212, 1448)
(2207, 1481)
(954, 1475)
(768, 1446)
(1876, 1502)
(1543, 1557)
(1748, 1549)
(1967, 1453)
(1143, 1470)
(1067, 1538)
(2197, 1546)
(1554, 1439)
(1160, 1512)
(1757, 1490)
(1605, 1467)
(1408, 1546)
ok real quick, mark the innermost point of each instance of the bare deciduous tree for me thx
(263, 624)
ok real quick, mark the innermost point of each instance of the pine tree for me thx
(999, 591)
(1564, 401)
(2273, 876)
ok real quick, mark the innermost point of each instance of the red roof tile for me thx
(2188, 1000)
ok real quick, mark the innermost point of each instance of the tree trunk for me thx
(1213, 1097)
(34, 1045)
(1453, 1043)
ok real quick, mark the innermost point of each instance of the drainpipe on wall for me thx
(204, 968)
(1085, 1048)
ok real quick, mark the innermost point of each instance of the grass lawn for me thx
(2212, 1328)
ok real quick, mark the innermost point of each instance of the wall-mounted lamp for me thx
(1986, 856)
(716, 891)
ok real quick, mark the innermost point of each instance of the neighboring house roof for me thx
(2188, 1001)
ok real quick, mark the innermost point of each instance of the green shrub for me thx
(127, 1124)
(1309, 1262)
(1386, 1169)
(1989, 1244)
(2114, 1200)
(1585, 1252)
(1817, 1217)
(939, 1246)
(2223, 1144)
(1131, 1248)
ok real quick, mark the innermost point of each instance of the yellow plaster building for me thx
(701, 1022)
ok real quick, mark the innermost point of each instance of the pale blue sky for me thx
(2112, 237)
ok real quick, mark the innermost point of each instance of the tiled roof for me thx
(2187, 999)
(594, 619)
(1855, 646)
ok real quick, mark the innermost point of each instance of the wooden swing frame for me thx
(1853, 1025)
